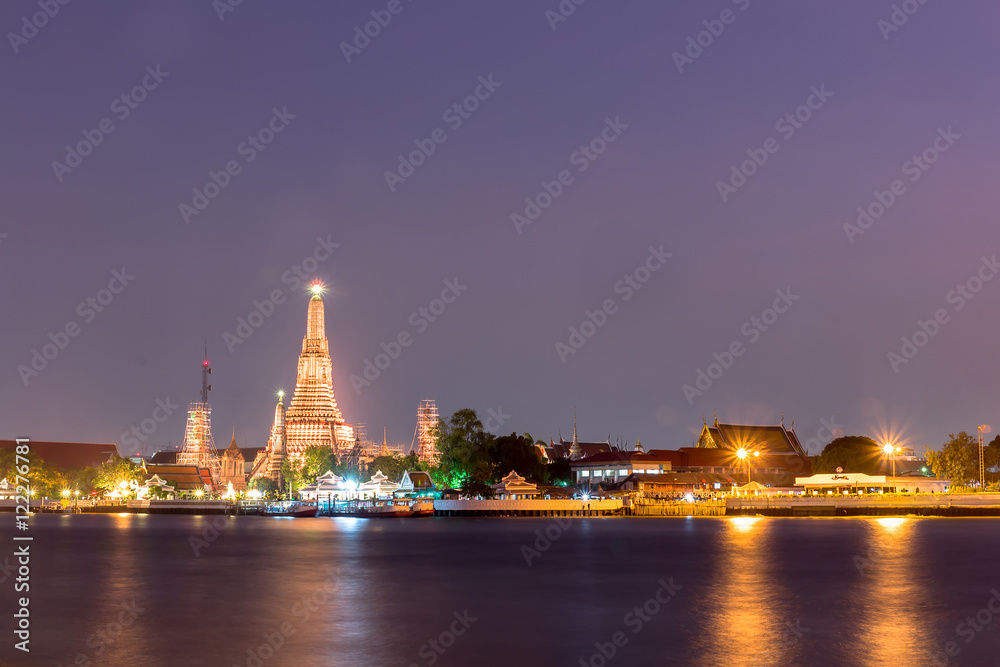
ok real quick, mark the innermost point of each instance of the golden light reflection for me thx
(744, 524)
(891, 523)
(747, 606)
(887, 592)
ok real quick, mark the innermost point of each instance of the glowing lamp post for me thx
(984, 428)
(890, 451)
(744, 455)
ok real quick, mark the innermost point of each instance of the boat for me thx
(372, 509)
(422, 508)
(290, 508)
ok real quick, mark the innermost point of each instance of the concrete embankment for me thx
(510, 508)
(650, 507)
(948, 505)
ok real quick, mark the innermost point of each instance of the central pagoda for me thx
(313, 418)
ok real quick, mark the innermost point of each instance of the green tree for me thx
(852, 453)
(517, 453)
(558, 471)
(464, 453)
(958, 459)
(391, 465)
(115, 473)
(265, 485)
(291, 477)
(316, 461)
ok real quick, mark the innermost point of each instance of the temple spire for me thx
(574, 449)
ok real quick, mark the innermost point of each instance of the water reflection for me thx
(747, 606)
(889, 595)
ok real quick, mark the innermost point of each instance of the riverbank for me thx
(942, 505)
(939, 505)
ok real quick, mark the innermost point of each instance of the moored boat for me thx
(373, 509)
(292, 508)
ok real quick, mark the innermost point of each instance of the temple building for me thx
(199, 446)
(233, 467)
(268, 461)
(423, 435)
(312, 418)
(720, 459)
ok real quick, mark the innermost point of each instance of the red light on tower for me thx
(205, 363)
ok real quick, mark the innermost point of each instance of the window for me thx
(623, 473)
(584, 473)
(609, 473)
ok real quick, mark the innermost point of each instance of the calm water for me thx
(746, 591)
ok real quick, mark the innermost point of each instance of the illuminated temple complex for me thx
(312, 417)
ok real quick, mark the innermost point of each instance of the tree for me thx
(291, 477)
(851, 453)
(958, 459)
(558, 471)
(464, 449)
(265, 485)
(391, 465)
(316, 461)
(517, 453)
(116, 473)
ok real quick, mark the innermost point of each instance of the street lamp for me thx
(890, 451)
(76, 500)
(744, 455)
(984, 428)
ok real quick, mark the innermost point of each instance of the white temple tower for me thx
(313, 418)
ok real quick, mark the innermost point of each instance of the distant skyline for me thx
(651, 214)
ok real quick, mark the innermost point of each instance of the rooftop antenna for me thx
(206, 370)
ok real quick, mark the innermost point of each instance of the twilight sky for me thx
(850, 295)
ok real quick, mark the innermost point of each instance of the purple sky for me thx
(825, 358)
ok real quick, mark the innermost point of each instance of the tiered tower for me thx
(423, 435)
(313, 418)
(199, 446)
(574, 449)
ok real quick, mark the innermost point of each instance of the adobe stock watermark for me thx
(635, 621)
(914, 168)
(827, 433)
(88, 310)
(213, 528)
(581, 158)
(790, 638)
(562, 12)
(958, 298)
(363, 35)
(696, 44)
(122, 106)
(37, 21)
(283, 631)
(899, 17)
(631, 283)
(419, 320)
(544, 539)
(106, 636)
(223, 7)
(969, 628)
(495, 419)
(786, 126)
(432, 650)
(263, 309)
(139, 433)
(248, 149)
(455, 116)
(752, 329)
